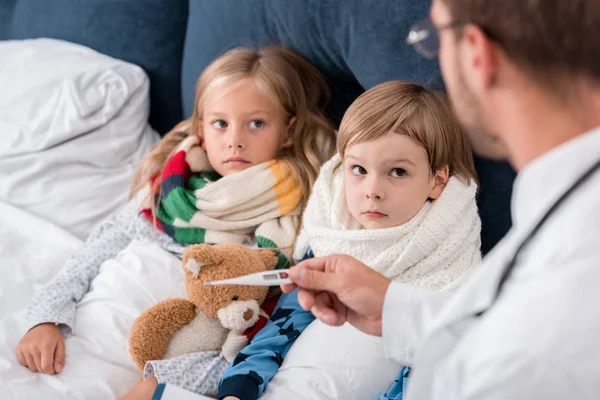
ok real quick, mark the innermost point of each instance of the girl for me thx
(238, 171)
(400, 197)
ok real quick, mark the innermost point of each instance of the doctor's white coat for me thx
(541, 338)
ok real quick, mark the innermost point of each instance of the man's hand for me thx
(339, 289)
(42, 349)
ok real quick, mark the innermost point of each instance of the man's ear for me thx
(482, 58)
(289, 141)
(439, 181)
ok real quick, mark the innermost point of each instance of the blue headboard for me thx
(355, 43)
(149, 33)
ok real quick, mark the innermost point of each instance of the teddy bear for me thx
(212, 317)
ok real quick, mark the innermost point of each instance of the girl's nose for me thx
(236, 139)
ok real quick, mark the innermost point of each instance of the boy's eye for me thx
(256, 123)
(219, 124)
(398, 172)
(358, 170)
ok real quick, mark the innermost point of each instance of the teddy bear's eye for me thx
(235, 298)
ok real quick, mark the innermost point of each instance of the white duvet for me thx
(97, 363)
(73, 130)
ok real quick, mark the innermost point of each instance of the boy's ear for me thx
(439, 181)
(289, 141)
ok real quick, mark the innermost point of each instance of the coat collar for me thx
(536, 189)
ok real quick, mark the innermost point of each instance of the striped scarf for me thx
(260, 204)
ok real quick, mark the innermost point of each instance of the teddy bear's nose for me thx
(248, 314)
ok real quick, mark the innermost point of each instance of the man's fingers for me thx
(288, 288)
(327, 309)
(340, 309)
(327, 316)
(306, 299)
(59, 356)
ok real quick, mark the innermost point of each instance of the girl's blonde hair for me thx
(291, 82)
(409, 109)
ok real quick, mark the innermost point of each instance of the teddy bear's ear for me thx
(205, 254)
(269, 258)
(193, 266)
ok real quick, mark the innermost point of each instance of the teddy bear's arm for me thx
(234, 343)
(153, 330)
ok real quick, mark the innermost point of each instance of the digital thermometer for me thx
(267, 278)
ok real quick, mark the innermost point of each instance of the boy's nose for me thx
(374, 191)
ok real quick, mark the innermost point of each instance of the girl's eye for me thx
(398, 172)
(219, 124)
(257, 123)
(358, 170)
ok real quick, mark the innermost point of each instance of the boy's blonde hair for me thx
(409, 109)
(291, 82)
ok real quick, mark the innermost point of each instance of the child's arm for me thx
(247, 377)
(56, 301)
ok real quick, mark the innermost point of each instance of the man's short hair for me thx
(549, 39)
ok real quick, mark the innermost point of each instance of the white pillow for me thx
(73, 130)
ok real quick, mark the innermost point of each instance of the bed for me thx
(88, 86)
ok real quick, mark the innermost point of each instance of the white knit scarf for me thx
(435, 249)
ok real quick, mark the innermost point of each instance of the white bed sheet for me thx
(97, 362)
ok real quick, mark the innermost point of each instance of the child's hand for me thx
(42, 349)
(231, 398)
(144, 390)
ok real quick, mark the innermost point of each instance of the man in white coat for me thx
(524, 78)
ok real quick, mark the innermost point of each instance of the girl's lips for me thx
(236, 161)
(374, 214)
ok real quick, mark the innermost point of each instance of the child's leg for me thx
(142, 391)
(197, 372)
(247, 377)
(397, 390)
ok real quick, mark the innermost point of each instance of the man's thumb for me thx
(312, 279)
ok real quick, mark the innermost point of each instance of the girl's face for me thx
(388, 180)
(241, 127)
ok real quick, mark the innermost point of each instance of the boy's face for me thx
(388, 180)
